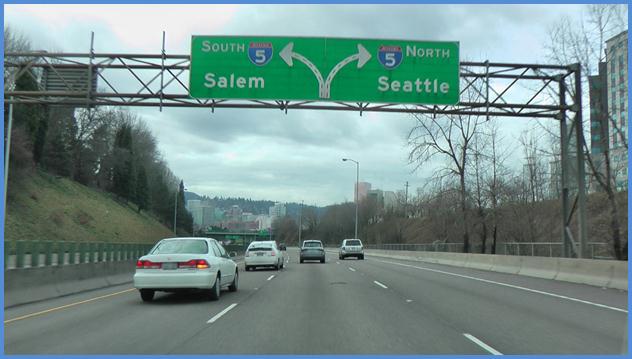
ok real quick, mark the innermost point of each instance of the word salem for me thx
(233, 81)
(418, 85)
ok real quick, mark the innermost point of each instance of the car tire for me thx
(147, 295)
(301, 260)
(361, 257)
(214, 292)
(322, 260)
(247, 268)
(282, 264)
(234, 285)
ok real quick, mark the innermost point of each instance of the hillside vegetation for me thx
(46, 207)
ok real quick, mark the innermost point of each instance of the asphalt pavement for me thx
(371, 306)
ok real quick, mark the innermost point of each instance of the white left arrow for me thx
(287, 54)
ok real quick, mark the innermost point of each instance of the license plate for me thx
(169, 265)
(259, 253)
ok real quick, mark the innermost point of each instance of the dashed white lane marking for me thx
(220, 314)
(380, 284)
(337, 262)
(270, 277)
(481, 344)
(510, 286)
(408, 300)
(352, 269)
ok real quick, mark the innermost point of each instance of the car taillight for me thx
(194, 263)
(147, 264)
(272, 253)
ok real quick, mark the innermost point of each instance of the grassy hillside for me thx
(45, 207)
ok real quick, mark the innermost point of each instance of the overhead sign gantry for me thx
(324, 69)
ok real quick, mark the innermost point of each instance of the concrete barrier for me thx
(506, 264)
(602, 273)
(38, 283)
(479, 261)
(540, 267)
(594, 272)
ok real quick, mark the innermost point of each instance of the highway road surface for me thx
(375, 306)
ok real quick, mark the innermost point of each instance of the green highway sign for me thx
(324, 69)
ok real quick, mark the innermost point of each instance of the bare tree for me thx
(583, 42)
(449, 137)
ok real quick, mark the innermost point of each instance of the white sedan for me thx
(263, 254)
(178, 264)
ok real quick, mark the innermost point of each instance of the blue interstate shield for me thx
(260, 53)
(390, 56)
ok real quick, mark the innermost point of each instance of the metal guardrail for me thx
(23, 254)
(597, 250)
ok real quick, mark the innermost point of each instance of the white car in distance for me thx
(185, 264)
(263, 254)
(351, 248)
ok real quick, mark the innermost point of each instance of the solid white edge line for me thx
(270, 277)
(380, 284)
(220, 314)
(511, 286)
(352, 269)
(481, 344)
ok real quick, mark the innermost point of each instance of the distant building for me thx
(376, 195)
(390, 200)
(617, 99)
(278, 210)
(363, 189)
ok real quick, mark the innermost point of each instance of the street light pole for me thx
(356, 192)
(300, 224)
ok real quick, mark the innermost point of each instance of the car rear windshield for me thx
(353, 243)
(260, 248)
(312, 244)
(190, 246)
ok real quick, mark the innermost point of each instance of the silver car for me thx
(312, 250)
(351, 248)
(179, 264)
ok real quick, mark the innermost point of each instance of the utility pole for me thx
(406, 201)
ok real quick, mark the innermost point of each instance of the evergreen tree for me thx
(123, 172)
(142, 189)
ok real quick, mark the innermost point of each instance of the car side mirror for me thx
(232, 254)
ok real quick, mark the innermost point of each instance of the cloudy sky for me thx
(265, 154)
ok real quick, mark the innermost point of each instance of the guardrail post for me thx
(92, 248)
(48, 253)
(110, 252)
(72, 249)
(35, 252)
(117, 255)
(100, 250)
(61, 253)
(19, 254)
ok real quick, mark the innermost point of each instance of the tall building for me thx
(617, 100)
(363, 189)
(390, 200)
(278, 210)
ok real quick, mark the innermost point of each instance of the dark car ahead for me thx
(312, 250)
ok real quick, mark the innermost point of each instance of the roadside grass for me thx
(45, 207)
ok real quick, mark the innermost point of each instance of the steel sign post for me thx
(324, 69)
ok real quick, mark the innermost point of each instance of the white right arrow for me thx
(362, 56)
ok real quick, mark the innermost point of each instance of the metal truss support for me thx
(527, 91)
